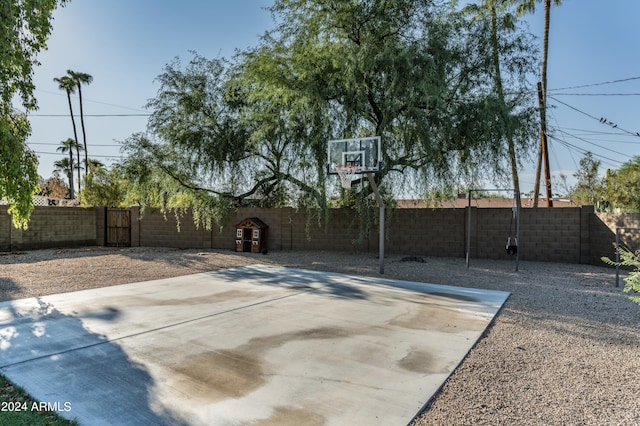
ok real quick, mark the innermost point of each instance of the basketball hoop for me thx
(346, 172)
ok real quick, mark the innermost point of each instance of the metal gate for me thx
(118, 228)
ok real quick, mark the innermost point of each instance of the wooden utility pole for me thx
(544, 149)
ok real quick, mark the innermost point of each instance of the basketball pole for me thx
(381, 205)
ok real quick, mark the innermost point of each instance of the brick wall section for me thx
(551, 235)
(603, 234)
(156, 230)
(428, 232)
(574, 235)
(56, 227)
(5, 229)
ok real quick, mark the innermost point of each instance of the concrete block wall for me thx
(559, 235)
(574, 235)
(155, 229)
(603, 234)
(427, 232)
(5, 229)
(340, 231)
(53, 227)
(551, 235)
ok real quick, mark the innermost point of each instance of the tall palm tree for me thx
(68, 84)
(529, 6)
(80, 79)
(68, 146)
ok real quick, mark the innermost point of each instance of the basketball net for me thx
(346, 172)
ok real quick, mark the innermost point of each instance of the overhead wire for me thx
(601, 119)
(91, 100)
(595, 84)
(595, 144)
(66, 155)
(608, 160)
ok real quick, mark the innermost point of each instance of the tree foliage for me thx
(54, 187)
(417, 75)
(104, 187)
(588, 189)
(632, 281)
(24, 28)
(622, 186)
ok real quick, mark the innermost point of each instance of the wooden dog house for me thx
(251, 235)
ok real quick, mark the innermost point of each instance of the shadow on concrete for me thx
(313, 281)
(57, 360)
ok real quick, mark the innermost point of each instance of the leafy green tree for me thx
(24, 28)
(416, 75)
(81, 78)
(622, 186)
(589, 188)
(103, 187)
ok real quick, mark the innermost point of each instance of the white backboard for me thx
(363, 152)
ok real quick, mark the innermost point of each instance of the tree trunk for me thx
(505, 114)
(84, 133)
(70, 174)
(75, 135)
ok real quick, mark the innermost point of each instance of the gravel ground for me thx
(564, 350)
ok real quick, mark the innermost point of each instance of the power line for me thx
(596, 94)
(58, 144)
(595, 144)
(584, 151)
(595, 84)
(595, 132)
(601, 119)
(89, 100)
(66, 155)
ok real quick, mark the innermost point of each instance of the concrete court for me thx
(259, 345)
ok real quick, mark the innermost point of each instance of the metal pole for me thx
(381, 236)
(469, 229)
(617, 257)
(517, 200)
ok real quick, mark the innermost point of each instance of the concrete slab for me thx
(259, 345)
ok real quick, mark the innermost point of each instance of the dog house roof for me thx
(252, 222)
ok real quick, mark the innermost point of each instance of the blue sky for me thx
(125, 44)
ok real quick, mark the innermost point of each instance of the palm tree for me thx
(526, 6)
(68, 146)
(65, 166)
(82, 78)
(68, 84)
(95, 164)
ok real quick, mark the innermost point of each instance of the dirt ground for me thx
(564, 350)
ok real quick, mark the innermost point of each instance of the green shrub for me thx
(632, 282)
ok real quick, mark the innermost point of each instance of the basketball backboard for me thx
(365, 153)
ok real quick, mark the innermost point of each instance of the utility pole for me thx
(544, 151)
